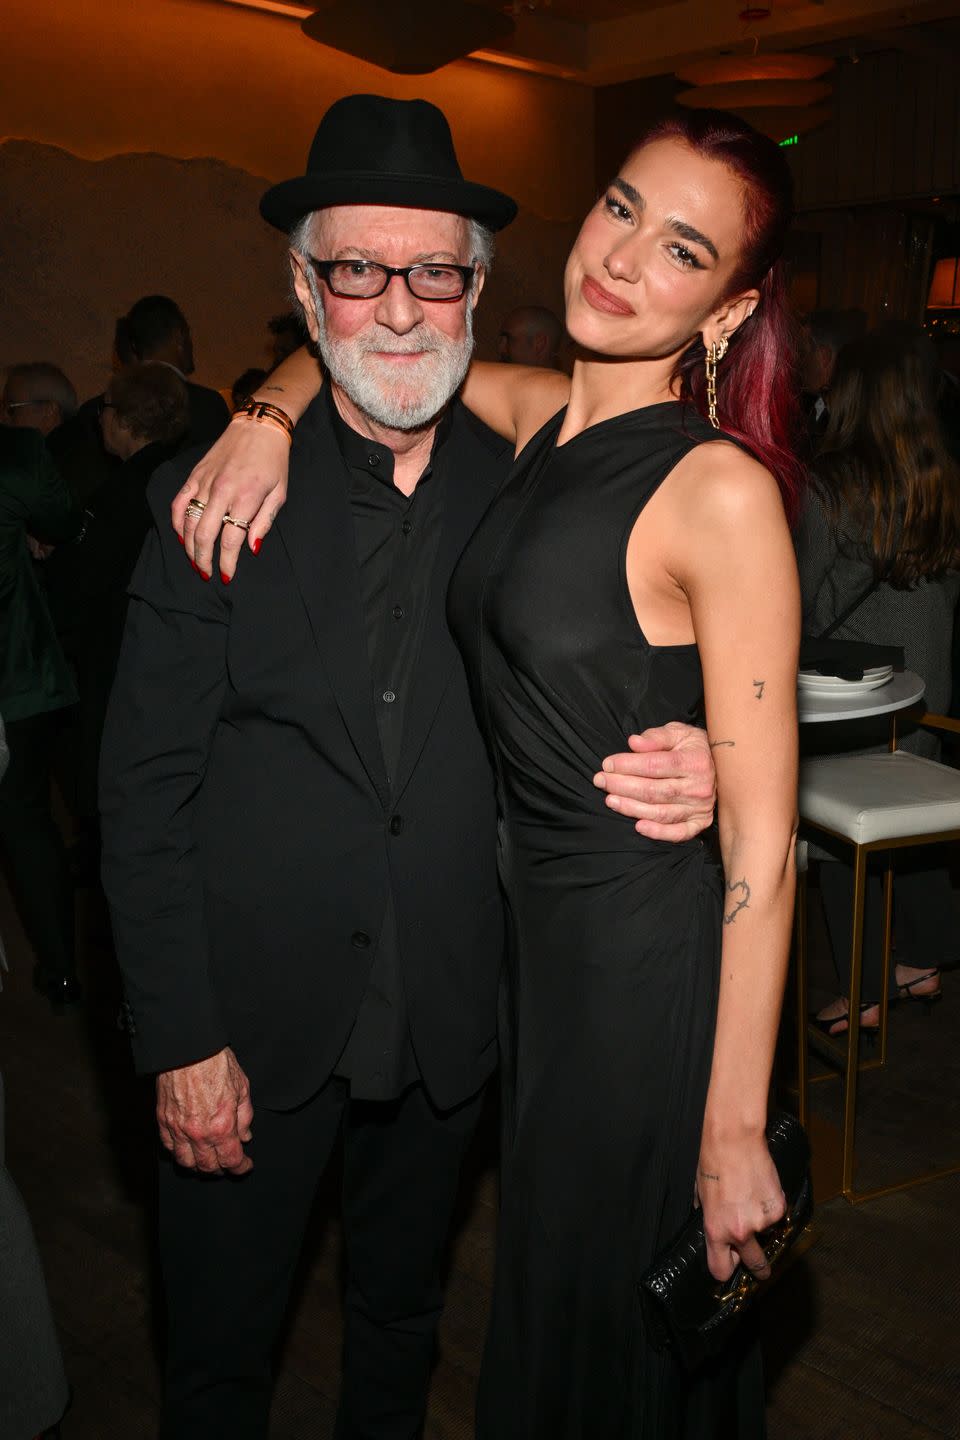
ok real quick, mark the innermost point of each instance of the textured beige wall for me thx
(136, 135)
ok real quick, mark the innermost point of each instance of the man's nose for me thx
(398, 308)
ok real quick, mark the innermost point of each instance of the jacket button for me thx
(396, 824)
(360, 940)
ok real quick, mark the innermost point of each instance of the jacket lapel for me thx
(472, 473)
(316, 528)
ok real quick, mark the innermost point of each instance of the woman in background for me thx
(882, 525)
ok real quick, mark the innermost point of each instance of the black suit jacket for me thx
(250, 838)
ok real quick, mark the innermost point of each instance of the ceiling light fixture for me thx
(408, 40)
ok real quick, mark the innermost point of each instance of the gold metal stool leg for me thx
(803, 1098)
(853, 1024)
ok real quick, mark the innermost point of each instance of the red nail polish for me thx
(255, 547)
(179, 536)
(224, 577)
(194, 565)
(203, 574)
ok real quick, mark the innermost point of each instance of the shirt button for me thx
(406, 527)
(373, 458)
(396, 824)
(398, 612)
(360, 940)
(388, 697)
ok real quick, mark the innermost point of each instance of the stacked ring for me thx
(195, 509)
(240, 524)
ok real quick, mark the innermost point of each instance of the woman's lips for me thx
(601, 299)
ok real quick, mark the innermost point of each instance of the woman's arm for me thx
(739, 574)
(245, 472)
(514, 400)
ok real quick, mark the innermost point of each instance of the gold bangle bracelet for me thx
(263, 411)
(265, 420)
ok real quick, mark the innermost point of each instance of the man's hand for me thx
(666, 783)
(204, 1114)
(244, 475)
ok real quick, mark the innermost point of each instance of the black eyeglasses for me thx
(365, 279)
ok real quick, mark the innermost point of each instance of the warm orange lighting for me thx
(945, 285)
(274, 7)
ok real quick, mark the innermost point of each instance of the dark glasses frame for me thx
(325, 267)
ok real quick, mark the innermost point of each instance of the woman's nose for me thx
(623, 261)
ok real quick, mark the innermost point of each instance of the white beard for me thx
(409, 400)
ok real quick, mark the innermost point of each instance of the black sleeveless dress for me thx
(610, 999)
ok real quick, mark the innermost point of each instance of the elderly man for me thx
(37, 396)
(298, 812)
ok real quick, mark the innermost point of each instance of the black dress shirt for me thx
(396, 538)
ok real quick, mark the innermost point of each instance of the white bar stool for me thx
(873, 803)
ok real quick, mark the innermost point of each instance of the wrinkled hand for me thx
(666, 783)
(739, 1191)
(245, 475)
(204, 1114)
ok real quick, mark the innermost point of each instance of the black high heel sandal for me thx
(905, 991)
(868, 1032)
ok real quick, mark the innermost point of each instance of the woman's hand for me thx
(740, 1194)
(244, 475)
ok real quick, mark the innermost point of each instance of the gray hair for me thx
(481, 239)
(46, 384)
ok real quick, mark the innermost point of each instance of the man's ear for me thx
(479, 277)
(303, 293)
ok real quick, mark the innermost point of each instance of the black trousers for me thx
(925, 914)
(33, 844)
(229, 1249)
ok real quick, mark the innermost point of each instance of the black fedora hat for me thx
(369, 150)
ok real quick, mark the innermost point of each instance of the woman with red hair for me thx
(636, 567)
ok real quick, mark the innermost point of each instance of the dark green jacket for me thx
(34, 676)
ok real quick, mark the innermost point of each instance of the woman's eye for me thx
(685, 257)
(617, 207)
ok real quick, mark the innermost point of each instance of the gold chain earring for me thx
(714, 355)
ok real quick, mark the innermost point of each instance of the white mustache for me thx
(395, 345)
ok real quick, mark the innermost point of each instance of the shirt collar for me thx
(373, 456)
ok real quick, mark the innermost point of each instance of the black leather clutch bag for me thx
(686, 1309)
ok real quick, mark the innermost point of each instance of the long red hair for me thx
(757, 390)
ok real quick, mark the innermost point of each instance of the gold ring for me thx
(240, 524)
(195, 509)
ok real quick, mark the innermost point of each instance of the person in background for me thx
(37, 396)
(531, 335)
(144, 416)
(35, 684)
(882, 522)
(243, 387)
(825, 332)
(33, 1386)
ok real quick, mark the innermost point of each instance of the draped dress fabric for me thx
(613, 971)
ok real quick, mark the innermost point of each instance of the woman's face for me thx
(652, 264)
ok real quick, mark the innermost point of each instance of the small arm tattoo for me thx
(741, 904)
(279, 388)
(716, 744)
(705, 1175)
(758, 685)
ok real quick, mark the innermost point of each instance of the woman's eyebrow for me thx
(687, 232)
(628, 193)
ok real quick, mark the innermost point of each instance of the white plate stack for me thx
(810, 683)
